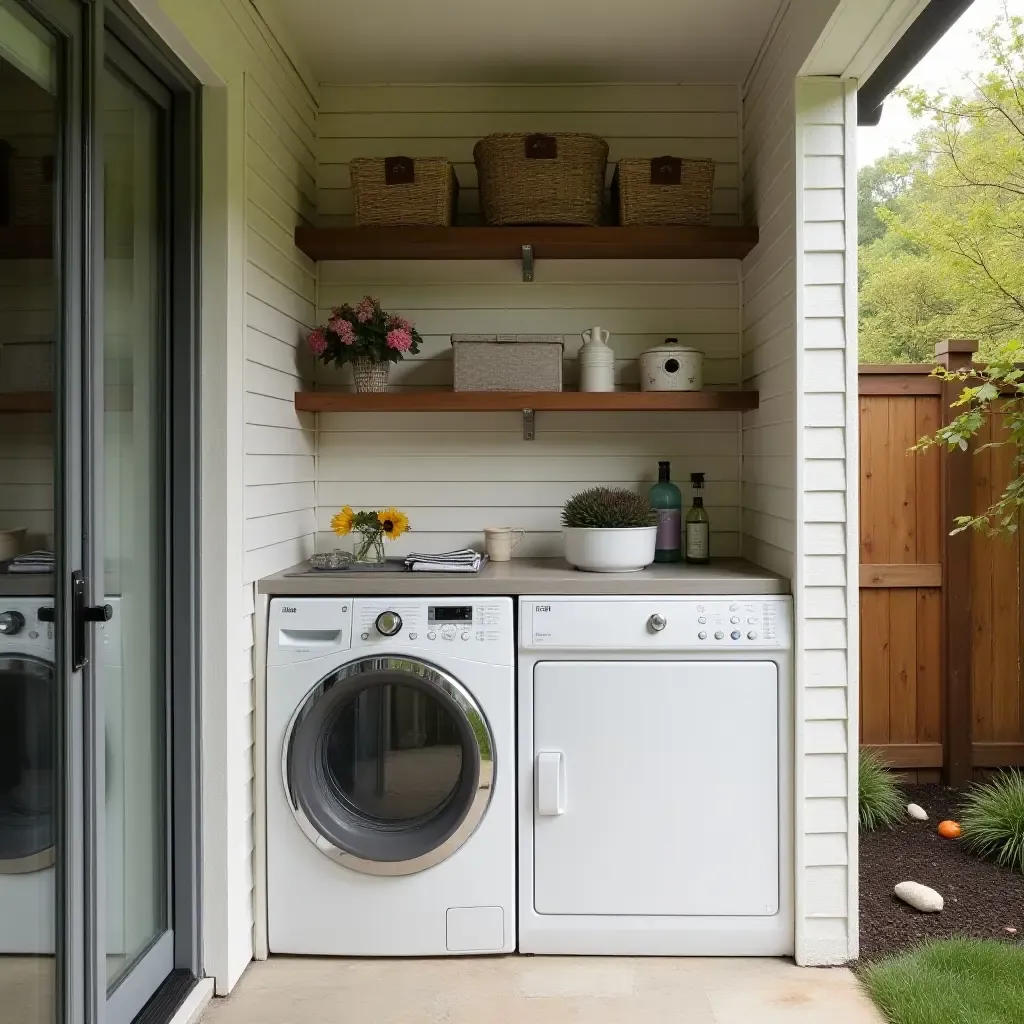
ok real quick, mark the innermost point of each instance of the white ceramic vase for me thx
(609, 550)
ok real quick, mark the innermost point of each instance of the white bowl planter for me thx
(609, 550)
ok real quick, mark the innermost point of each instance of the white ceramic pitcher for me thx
(597, 361)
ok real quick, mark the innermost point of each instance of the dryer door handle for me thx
(551, 782)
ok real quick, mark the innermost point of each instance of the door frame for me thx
(120, 38)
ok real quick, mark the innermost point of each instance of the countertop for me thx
(540, 576)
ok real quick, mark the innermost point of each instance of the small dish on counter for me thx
(331, 560)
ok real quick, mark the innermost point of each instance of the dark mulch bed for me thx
(981, 899)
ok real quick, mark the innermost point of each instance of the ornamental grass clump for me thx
(880, 801)
(604, 508)
(992, 822)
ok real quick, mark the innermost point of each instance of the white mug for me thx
(500, 543)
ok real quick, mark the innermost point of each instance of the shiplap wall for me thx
(453, 473)
(27, 304)
(280, 294)
(797, 445)
(263, 177)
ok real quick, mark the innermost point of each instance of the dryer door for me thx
(388, 765)
(27, 763)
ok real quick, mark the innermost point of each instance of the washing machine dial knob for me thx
(11, 623)
(656, 623)
(388, 623)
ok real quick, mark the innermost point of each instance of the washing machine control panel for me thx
(653, 623)
(471, 627)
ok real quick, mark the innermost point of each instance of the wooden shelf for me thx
(486, 243)
(517, 401)
(26, 401)
(26, 242)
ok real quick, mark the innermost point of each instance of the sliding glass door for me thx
(98, 848)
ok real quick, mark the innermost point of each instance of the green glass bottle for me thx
(698, 525)
(667, 502)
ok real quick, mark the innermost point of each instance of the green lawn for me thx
(951, 981)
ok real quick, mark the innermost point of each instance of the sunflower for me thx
(392, 522)
(341, 522)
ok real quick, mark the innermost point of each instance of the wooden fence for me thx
(942, 691)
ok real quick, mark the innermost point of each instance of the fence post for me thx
(957, 625)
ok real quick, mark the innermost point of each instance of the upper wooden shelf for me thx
(506, 243)
(517, 401)
(25, 242)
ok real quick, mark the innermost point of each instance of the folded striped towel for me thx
(34, 562)
(463, 560)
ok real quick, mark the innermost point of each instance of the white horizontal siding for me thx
(455, 474)
(796, 287)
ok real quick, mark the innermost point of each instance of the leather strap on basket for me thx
(666, 170)
(399, 170)
(541, 147)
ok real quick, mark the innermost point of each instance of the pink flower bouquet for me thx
(364, 332)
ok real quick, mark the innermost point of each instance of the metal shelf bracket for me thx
(529, 425)
(527, 262)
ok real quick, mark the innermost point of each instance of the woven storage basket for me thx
(663, 190)
(541, 179)
(400, 191)
(507, 362)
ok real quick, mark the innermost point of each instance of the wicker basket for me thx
(400, 191)
(663, 190)
(31, 189)
(541, 179)
(507, 362)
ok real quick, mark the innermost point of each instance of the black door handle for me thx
(98, 613)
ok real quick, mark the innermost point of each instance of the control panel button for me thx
(735, 620)
(719, 635)
(11, 623)
(702, 619)
(364, 636)
(465, 636)
(414, 636)
(702, 635)
(734, 607)
(431, 636)
(448, 632)
(656, 623)
(388, 623)
(752, 635)
(736, 634)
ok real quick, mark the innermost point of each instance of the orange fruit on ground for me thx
(949, 829)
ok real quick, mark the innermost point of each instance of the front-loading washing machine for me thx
(28, 782)
(656, 775)
(391, 776)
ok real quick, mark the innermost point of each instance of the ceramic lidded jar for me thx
(597, 362)
(671, 367)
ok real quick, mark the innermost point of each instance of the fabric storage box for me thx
(401, 191)
(663, 190)
(507, 362)
(541, 179)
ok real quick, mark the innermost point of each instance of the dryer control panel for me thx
(656, 623)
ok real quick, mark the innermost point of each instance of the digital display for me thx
(456, 613)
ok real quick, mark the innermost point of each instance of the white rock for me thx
(917, 812)
(919, 896)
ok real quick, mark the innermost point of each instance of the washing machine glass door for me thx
(388, 765)
(27, 763)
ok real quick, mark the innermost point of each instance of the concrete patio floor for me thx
(542, 990)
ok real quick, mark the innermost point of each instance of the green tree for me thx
(942, 252)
